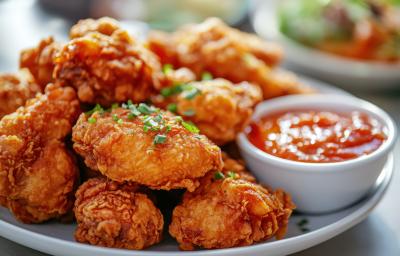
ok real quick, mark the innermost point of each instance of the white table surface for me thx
(23, 24)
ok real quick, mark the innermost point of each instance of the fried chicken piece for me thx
(228, 210)
(107, 69)
(15, 90)
(227, 53)
(154, 149)
(40, 60)
(37, 173)
(118, 215)
(105, 25)
(219, 108)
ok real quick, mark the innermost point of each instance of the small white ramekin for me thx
(319, 187)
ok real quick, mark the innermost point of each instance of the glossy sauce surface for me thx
(317, 137)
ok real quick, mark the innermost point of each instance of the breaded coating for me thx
(15, 90)
(155, 149)
(107, 69)
(118, 215)
(40, 60)
(105, 25)
(37, 173)
(228, 210)
(225, 52)
(219, 108)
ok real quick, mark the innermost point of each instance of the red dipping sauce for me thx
(317, 136)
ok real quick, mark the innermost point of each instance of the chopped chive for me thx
(305, 230)
(219, 176)
(169, 91)
(178, 119)
(146, 128)
(115, 117)
(167, 68)
(302, 222)
(231, 175)
(120, 121)
(158, 118)
(206, 76)
(190, 94)
(145, 109)
(114, 106)
(189, 112)
(159, 139)
(190, 127)
(168, 128)
(92, 120)
(97, 108)
(172, 107)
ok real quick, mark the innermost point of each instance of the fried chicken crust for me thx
(15, 90)
(105, 25)
(120, 148)
(227, 53)
(107, 69)
(37, 173)
(116, 215)
(229, 212)
(220, 109)
(40, 60)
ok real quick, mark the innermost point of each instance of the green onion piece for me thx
(167, 68)
(219, 176)
(115, 117)
(189, 112)
(302, 222)
(190, 127)
(114, 106)
(206, 76)
(146, 128)
(145, 109)
(190, 94)
(179, 119)
(92, 120)
(172, 107)
(169, 91)
(158, 118)
(97, 108)
(168, 128)
(120, 121)
(231, 175)
(159, 139)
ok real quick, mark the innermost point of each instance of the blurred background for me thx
(24, 22)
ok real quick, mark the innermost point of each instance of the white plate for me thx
(57, 239)
(345, 72)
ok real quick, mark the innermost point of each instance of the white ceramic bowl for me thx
(320, 187)
(345, 72)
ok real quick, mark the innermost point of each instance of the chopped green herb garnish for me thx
(172, 107)
(190, 127)
(159, 139)
(219, 176)
(92, 120)
(114, 106)
(97, 108)
(168, 128)
(169, 91)
(145, 109)
(167, 68)
(302, 222)
(146, 128)
(232, 175)
(189, 112)
(305, 230)
(179, 119)
(115, 117)
(120, 121)
(206, 76)
(190, 94)
(158, 118)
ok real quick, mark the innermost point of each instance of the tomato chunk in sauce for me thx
(316, 136)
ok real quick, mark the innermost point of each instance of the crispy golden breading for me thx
(227, 53)
(116, 215)
(107, 69)
(15, 90)
(37, 173)
(104, 25)
(219, 108)
(40, 60)
(229, 210)
(123, 148)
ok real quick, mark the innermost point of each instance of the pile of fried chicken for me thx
(119, 134)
